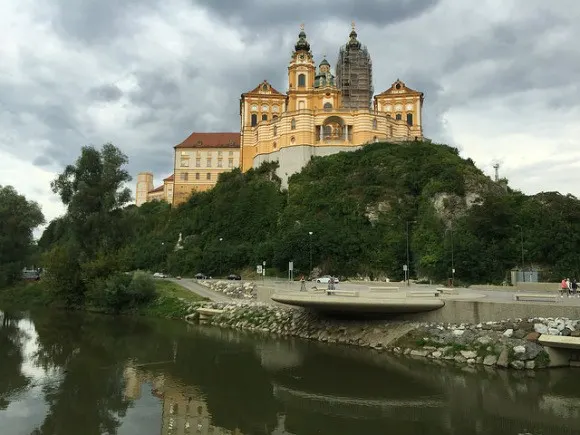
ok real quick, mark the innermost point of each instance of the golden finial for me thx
(352, 24)
(302, 27)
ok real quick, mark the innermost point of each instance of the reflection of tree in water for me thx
(11, 377)
(90, 351)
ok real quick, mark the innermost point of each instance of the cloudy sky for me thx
(500, 78)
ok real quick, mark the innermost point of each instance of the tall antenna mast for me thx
(496, 167)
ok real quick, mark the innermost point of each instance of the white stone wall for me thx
(293, 159)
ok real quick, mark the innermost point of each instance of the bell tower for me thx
(301, 74)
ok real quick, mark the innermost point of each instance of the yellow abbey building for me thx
(319, 115)
(322, 114)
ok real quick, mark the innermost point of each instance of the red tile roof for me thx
(211, 140)
(170, 178)
(157, 189)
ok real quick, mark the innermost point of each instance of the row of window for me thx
(398, 117)
(185, 163)
(185, 154)
(265, 108)
(264, 118)
(185, 176)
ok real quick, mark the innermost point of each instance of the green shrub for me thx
(141, 289)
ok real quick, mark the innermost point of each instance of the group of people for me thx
(569, 287)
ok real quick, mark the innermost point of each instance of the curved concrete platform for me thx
(360, 304)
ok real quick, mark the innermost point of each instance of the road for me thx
(203, 291)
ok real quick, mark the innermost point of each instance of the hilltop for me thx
(358, 206)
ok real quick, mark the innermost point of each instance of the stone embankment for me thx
(507, 344)
(233, 289)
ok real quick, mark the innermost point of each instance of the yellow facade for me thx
(197, 163)
(311, 115)
(318, 115)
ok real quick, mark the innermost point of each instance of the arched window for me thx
(274, 116)
(374, 123)
(293, 124)
(264, 117)
(254, 119)
(275, 145)
(409, 119)
(265, 87)
(328, 107)
(275, 130)
(301, 80)
(398, 117)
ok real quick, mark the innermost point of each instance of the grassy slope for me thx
(172, 300)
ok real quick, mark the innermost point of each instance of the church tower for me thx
(301, 75)
(354, 74)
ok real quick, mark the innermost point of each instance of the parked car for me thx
(326, 278)
(232, 276)
(159, 275)
(200, 276)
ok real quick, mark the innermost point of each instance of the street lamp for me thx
(221, 256)
(522, 249)
(452, 256)
(408, 270)
(310, 242)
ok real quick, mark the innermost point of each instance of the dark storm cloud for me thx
(267, 13)
(97, 21)
(107, 93)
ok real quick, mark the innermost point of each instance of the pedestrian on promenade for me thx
(302, 284)
(563, 287)
(574, 285)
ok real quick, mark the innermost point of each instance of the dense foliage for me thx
(18, 218)
(345, 214)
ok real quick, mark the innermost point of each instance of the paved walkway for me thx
(500, 296)
(201, 290)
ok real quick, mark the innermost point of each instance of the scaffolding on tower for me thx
(354, 74)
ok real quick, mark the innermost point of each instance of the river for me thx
(74, 373)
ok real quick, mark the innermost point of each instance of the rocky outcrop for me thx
(511, 344)
(233, 289)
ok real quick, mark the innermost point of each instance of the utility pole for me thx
(408, 271)
(452, 260)
(310, 242)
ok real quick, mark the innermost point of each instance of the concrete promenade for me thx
(203, 291)
(467, 306)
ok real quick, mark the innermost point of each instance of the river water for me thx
(73, 373)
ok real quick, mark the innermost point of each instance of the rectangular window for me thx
(184, 176)
(230, 163)
(264, 117)
(209, 163)
(231, 153)
(208, 176)
(219, 163)
(197, 175)
(219, 153)
(197, 163)
(185, 163)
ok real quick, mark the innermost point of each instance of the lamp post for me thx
(221, 256)
(407, 272)
(310, 243)
(452, 257)
(522, 249)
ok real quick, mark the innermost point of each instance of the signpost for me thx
(259, 269)
(405, 269)
(290, 271)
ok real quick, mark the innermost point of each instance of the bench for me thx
(423, 293)
(447, 290)
(342, 292)
(383, 289)
(553, 297)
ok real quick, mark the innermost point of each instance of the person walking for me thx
(302, 284)
(574, 286)
(563, 287)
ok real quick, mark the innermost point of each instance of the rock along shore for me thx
(506, 344)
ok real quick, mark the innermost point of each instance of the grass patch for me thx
(26, 294)
(172, 301)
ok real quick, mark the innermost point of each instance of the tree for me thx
(18, 218)
(93, 189)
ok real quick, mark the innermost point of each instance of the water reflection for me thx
(66, 373)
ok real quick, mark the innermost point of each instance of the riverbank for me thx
(506, 344)
(172, 301)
